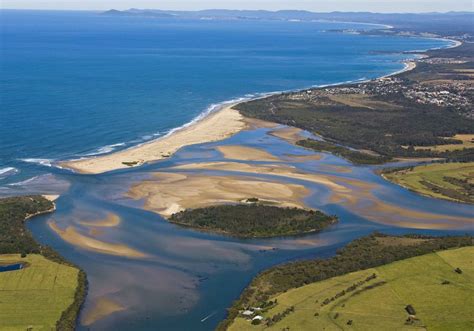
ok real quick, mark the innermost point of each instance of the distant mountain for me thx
(451, 23)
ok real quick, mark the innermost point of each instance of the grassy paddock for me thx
(35, 296)
(379, 303)
(450, 181)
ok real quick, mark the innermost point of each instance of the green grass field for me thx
(36, 296)
(379, 304)
(451, 181)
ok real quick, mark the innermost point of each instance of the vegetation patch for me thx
(51, 289)
(450, 181)
(354, 156)
(254, 220)
(407, 294)
(361, 254)
(36, 296)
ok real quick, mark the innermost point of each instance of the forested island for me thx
(253, 220)
(362, 254)
(22, 297)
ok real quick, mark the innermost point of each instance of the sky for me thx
(385, 6)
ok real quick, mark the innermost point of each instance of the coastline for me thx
(208, 127)
(218, 125)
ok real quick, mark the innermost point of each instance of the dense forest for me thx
(364, 253)
(355, 157)
(16, 239)
(254, 220)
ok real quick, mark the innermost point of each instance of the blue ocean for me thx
(77, 84)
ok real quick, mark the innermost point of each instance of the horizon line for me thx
(264, 10)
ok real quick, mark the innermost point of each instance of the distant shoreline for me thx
(214, 126)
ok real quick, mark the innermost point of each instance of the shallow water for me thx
(189, 275)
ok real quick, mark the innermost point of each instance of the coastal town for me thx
(455, 92)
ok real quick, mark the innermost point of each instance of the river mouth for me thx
(146, 273)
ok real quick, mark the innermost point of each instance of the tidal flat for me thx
(180, 276)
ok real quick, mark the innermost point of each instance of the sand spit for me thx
(245, 153)
(73, 237)
(288, 133)
(110, 221)
(217, 126)
(103, 307)
(169, 193)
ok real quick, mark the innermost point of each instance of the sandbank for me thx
(169, 193)
(245, 153)
(217, 126)
(349, 192)
(288, 133)
(111, 220)
(72, 236)
(269, 169)
(102, 307)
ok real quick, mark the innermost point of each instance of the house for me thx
(258, 317)
(247, 313)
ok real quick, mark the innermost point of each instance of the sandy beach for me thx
(217, 126)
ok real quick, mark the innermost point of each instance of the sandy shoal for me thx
(72, 236)
(169, 193)
(269, 169)
(102, 307)
(245, 153)
(348, 192)
(111, 220)
(214, 127)
(288, 133)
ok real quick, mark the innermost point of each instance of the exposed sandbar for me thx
(245, 153)
(214, 127)
(72, 236)
(169, 193)
(348, 192)
(270, 169)
(288, 133)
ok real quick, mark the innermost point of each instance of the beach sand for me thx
(169, 193)
(217, 126)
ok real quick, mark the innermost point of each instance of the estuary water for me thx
(75, 84)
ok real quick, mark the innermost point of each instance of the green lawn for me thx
(379, 303)
(451, 181)
(36, 296)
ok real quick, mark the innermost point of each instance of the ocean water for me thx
(76, 84)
